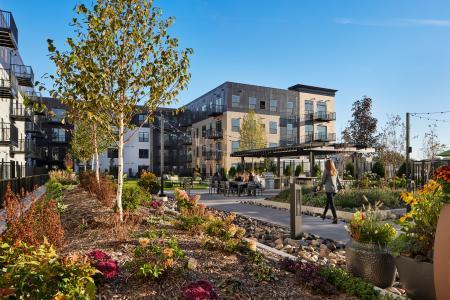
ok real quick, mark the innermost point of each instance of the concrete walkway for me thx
(311, 224)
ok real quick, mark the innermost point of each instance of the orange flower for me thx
(168, 252)
(168, 263)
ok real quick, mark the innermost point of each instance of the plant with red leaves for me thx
(104, 263)
(200, 290)
(156, 204)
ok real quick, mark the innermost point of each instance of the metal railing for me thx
(7, 24)
(20, 147)
(324, 137)
(8, 81)
(324, 116)
(18, 110)
(214, 134)
(8, 133)
(215, 110)
(24, 74)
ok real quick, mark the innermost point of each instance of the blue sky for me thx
(397, 52)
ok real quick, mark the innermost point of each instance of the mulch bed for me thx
(88, 226)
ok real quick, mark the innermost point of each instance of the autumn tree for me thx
(130, 62)
(361, 130)
(252, 133)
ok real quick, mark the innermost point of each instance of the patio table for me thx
(241, 185)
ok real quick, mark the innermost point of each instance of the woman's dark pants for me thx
(330, 204)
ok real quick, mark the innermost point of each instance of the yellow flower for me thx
(144, 242)
(168, 263)
(168, 252)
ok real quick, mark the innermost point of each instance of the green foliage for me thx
(149, 182)
(361, 130)
(348, 284)
(39, 273)
(350, 168)
(223, 173)
(287, 170)
(317, 171)
(232, 172)
(133, 196)
(402, 170)
(252, 133)
(378, 168)
(298, 170)
(261, 271)
(54, 190)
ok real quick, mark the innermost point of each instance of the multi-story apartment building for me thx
(297, 115)
(16, 85)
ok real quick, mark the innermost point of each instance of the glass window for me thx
(235, 125)
(235, 100)
(143, 136)
(251, 102)
(141, 119)
(290, 107)
(204, 107)
(289, 129)
(321, 109)
(204, 131)
(58, 114)
(273, 145)
(113, 153)
(262, 104)
(309, 106)
(58, 134)
(273, 105)
(235, 146)
(321, 132)
(143, 153)
(308, 133)
(272, 127)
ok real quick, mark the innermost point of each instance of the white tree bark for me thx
(97, 163)
(120, 168)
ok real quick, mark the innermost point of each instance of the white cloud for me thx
(394, 22)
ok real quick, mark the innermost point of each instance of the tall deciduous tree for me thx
(132, 62)
(391, 143)
(431, 143)
(253, 133)
(361, 130)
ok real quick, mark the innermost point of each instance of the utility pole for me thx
(162, 154)
(408, 147)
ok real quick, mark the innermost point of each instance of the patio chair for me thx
(225, 187)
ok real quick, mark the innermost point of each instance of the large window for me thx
(59, 114)
(309, 106)
(143, 153)
(235, 146)
(289, 130)
(143, 136)
(235, 100)
(251, 102)
(273, 105)
(58, 135)
(235, 125)
(141, 118)
(308, 133)
(321, 132)
(113, 153)
(273, 127)
(290, 107)
(321, 109)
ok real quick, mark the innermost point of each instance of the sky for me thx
(395, 51)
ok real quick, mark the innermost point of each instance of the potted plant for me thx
(367, 255)
(441, 255)
(413, 248)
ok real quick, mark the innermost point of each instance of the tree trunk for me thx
(97, 163)
(120, 167)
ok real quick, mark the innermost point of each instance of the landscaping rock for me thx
(192, 264)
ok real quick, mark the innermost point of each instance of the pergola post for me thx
(243, 163)
(278, 166)
(311, 164)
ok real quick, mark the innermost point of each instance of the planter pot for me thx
(416, 277)
(371, 262)
(441, 257)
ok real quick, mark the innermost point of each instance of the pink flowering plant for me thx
(200, 290)
(183, 199)
(104, 263)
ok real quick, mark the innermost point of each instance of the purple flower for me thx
(199, 290)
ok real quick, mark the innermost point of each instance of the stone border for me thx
(344, 215)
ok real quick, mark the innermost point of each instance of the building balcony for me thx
(19, 148)
(219, 155)
(216, 110)
(324, 137)
(9, 36)
(290, 141)
(214, 134)
(34, 128)
(8, 84)
(186, 140)
(19, 111)
(24, 75)
(8, 134)
(323, 116)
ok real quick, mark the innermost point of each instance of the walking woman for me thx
(332, 184)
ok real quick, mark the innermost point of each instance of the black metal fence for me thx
(22, 184)
(12, 169)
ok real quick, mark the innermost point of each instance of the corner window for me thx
(262, 104)
(251, 102)
(143, 136)
(272, 127)
(143, 153)
(235, 125)
(235, 146)
(235, 100)
(273, 105)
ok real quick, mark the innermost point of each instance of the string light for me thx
(431, 113)
(431, 119)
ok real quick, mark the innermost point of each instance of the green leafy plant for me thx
(133, 196)
(184, 200)
(261, 271)
(287, 171)
(54, 190)
(378, 168)
(40, 273)
(298, 170)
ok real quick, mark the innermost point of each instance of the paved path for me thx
(311, 224)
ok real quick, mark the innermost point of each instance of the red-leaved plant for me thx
(104, 263)
(200, 290)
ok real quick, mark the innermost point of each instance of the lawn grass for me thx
(132, 182)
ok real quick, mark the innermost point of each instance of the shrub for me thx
(317, 171)
(298, 170)
(54, 190)
(88, 181)
(105, 192)
(193, 219)
(133, 196)
(40, 273)
(232, 172)
(378, 168)
(261, 271)
(350, 168)
(149, 182)
(34, 225)
(104, 263)
(401, 170)
(64, 177)
(183, 199)
(287, 171)
(367, 227)
(200, 290)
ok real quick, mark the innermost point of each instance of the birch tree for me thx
(253, 133)
(130, 62)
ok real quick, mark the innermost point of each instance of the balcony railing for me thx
(24, 75)
(186, 140)
(219, 155)
(215, 110)
(8, 134)
(8, 84)
(324, 137)
(19, 111)
(34, 128)
(20, 147)
(214, 134)
(9, 36)
(323, 116)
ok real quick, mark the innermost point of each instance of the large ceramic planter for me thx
(441, 257)
(371, 262)
(416, 277)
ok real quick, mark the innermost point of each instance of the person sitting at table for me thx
(238, 178)
(251, 187)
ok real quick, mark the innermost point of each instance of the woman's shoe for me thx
(334, 221)
(323, 217)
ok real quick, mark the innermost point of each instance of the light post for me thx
(161, 194)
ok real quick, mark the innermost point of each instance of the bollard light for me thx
(296, 210)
